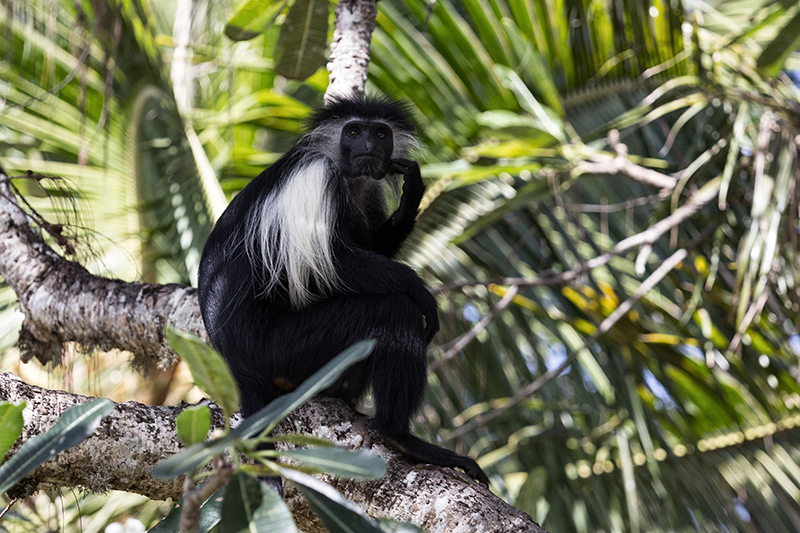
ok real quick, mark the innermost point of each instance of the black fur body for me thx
(282, 297)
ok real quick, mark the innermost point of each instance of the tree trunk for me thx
(352, 34)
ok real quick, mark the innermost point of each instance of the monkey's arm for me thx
(366, 272)
(395, 230)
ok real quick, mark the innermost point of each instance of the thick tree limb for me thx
(135, 437)
(118, 456)
(461, 342)
(438, 499)
(63, 302)
(611, 166)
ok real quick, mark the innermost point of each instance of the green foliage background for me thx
(683, 415)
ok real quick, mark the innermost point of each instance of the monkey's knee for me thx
(403, 314)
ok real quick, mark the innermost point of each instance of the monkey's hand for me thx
(431, 327)
(427, 304)
(413, 189)
(395, 230)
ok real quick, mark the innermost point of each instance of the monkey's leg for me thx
(240, 337)
(370, 274)
(301, 342)
(255, 397)
(398, 378)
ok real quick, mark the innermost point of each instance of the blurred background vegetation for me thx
(684, 416)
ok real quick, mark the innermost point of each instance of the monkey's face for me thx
(366, 149)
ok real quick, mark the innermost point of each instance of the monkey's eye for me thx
(353, 132)
(380, 134)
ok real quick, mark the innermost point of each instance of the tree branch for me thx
(130, 441)
(622, 165)
(698, 200)
(118, 456)
(63, 302)
(194, 496)
(461, 342)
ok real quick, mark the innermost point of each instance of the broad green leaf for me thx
(210, 513)
(322, 379)
(303, 39)
(341, 462)
(337, 514)
(193, 424)
(534, 488)
(550, 121)
(11, 423)
(527, 132)
(198, 454)
(252, 18)
(208, 368)
(191, 458)
(251, 505)
(781, 47)
(75, 425)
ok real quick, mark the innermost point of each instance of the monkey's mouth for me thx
(370, 165)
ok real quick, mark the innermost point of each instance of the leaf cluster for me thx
(246, 501)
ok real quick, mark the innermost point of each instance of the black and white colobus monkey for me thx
(299, 267)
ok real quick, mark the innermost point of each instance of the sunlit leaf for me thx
(11, 423)
(191, 458)
(340, 462)
(336, 513)
(252, 18)
(193, 424)
(785, 43)
(208, 368)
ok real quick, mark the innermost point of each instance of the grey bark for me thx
(130, 441)
(63, 302)
(349, 61)
(118, 456)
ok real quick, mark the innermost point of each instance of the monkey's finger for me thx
(403, 166)
(471, 468)
(482, 478)
(431, 328)
(474, 471)
(399, 169)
